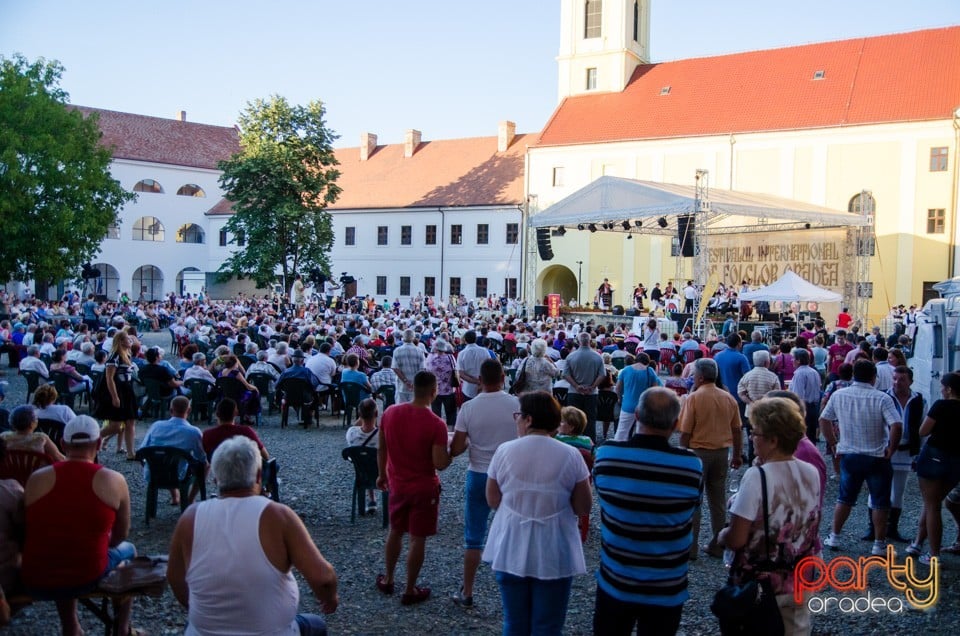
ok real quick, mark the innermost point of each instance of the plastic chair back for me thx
(560, 394)
(156, 400)
(53, 429)
(606, 405)
(389, 394)
(364, 460)
(298, 394)
(352, 393)
(20, 464)
(164, 463)
(200, 398)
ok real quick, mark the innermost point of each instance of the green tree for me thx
(57, 198)
(280, 184)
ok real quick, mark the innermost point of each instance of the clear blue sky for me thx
(448, 68)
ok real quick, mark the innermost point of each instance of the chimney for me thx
(181, 115)
(368, 143)
(506, 131)
(410, 142)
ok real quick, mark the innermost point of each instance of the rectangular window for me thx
(404, 285)
(557, 177)
(483, 234)
(223, 238)
(431, 235)
(593, 14)
(350, 236)
(429, 286)
(513, 233)
(935, 221)
(456, 234)
(510, 287)
(381, 285)
(591, 79)
(382, 234)
(241, 239)
(481, 288)
(454, 286)
(406, 235)
(938, 159)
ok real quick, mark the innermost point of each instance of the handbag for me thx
(521, 382)
(750, 606)
(454, 378)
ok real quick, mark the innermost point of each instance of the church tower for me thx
(601, 43)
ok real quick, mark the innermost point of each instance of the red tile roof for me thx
(222, 208)
(451, 172)
(169, 141)
(891, 78)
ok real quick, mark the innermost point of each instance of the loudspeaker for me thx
(631, 312)
(543, 244)
(618, 310)
(685, 234)
(540, 311)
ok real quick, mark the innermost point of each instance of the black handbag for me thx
(750, 606)
(521, 382)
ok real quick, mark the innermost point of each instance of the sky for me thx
(448, 68)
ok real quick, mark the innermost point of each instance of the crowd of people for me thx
(523, 400)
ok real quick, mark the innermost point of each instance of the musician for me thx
(605, 294)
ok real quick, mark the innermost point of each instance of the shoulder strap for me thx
(766, 512)
(370, 436)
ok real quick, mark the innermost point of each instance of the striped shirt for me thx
(806, 384)
(648, 491)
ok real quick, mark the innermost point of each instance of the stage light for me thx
(580, 227)
(625, 225)
(662, 221)
(561, 230)
(629, 237)
(638, 223)
(592, 227)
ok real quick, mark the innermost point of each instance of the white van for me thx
(936, 345)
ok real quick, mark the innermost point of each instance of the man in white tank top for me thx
(272, 539)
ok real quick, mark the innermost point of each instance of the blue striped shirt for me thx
(648, 491)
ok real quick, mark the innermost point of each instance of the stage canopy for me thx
(646, 207)
(791, 288)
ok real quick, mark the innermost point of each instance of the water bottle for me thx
(728, 556)
(734, 485)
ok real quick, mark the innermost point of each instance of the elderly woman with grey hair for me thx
(443, 364)
(538, 369)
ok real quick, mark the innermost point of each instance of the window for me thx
(113, 232)
(148, 185)
(350, 235)
(454, 286)
(381, 285)
(241, 238)
(513, 233)
(557, 177)
(382, 234)
(483, 234)
(592, 14)
(938, 159)
(510, 287)
(404, 285)
(190, 233)
(935, 221)
(636, 21)
(431, 235)
(191, 190)
(148, 228)
(148, 282)
(223, 238)
(430, 286)
(591, 79)
(456, 234)
(481, 288)
(859, 203)
(406, 235)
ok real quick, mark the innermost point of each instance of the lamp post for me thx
(579, 280)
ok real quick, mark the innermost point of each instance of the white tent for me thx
(792, 288)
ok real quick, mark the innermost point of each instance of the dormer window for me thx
(665, 90)
(819, 75)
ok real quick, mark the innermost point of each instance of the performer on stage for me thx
(605, 295)
(639, 293)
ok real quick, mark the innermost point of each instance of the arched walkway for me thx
(108, 284)
(148, 283)
(557, 279)
(180, 278)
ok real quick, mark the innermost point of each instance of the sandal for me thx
(953, 549)
(383, 586)
(419, 595)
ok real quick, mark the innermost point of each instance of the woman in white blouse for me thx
(538, 486)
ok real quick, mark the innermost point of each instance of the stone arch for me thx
(557, 279)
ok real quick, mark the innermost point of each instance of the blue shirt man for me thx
(177, 432)
(298, 370)
(756, 344)
(732, 366)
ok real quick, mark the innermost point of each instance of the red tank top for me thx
(68, 531)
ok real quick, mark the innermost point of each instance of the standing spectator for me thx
(650, 341)
(468, 365)
(632, 381)
(912, 408)
(211, 534)
(710, 427)
(642, 582)
(77, 520)
(806, 385)
(837, 353)
(690, 294)
(538, 369)
(870, 431)
(483, 424)
(820, 357)
(757, 382)
(756, 344)
(411, 448)
(584, 371)
(117, 403)
(443, 365)
(539, 487)
(407, 362)
(884, 369)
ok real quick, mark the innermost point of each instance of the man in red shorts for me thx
(412, 448)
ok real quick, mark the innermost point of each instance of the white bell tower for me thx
(601, 43)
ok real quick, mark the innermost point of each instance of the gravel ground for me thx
(316, 483)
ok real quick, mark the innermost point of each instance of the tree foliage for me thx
(280, 184)
(57, 198)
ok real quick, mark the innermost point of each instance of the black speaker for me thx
(543, 244)
(631, 312)
(540, 311)
(618, 310)
(685, 234)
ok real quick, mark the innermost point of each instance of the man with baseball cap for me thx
(77, 520)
